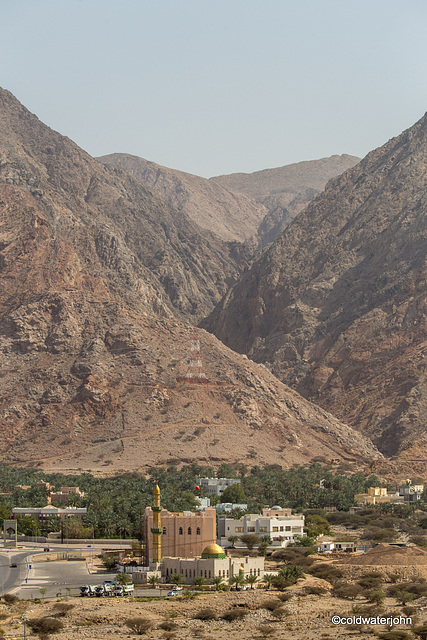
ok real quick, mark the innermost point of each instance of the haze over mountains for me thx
(252, 208)
(336, 306)
(100, 283)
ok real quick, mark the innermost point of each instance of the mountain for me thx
(99, 283)
(336, 306)
(285, 191)
(149, 247)
(232, 216)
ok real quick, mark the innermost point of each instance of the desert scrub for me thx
(205, 614)
(44, 627)
(139, 624)
(62, 608)
(168, 625)
(235, 614)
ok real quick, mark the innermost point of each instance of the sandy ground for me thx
(306, 617)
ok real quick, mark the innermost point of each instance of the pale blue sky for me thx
(218, 86)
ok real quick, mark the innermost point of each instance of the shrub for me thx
(205, 614)
(421, 631)
(270, 605)
(280, 612)
(316, 591)
(349, 591)
(370, 582)
(284, 597)
(376, 596)
(10, 598)
(62, 608)
(235, 614)
(139, 624)
(409, 611)
(266, 630)
(395, 635)
(326, 572)
(45, 626)
(168, 625)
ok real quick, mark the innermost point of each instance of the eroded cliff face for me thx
(99, 283)
(336, 307)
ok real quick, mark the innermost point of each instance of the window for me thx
(180, 531)
(198, 531)
(259, 571)
(275, 528)
(227, 573)
(251, 529)
(164, 530)
(263, 529)
(209, 573)
(250, 572)
(287, 528)
(281, 528)
(189, 531)
(186, 573)
(167, 572)
(239, 529)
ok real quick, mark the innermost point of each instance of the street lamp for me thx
(24, 618)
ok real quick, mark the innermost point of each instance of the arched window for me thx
(186, 573)
(209, 573)
(198, 531)
(164, 530)
(259, 571)
(167, 572)
(180, 531)
(205, 574)
(189, 531)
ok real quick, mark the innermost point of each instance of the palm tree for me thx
(177, 578)
(154, 581)
(251, 579)
(268, 579)
(237, 580)
(199, 581)
(216, 580)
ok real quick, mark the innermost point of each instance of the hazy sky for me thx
(219, 86)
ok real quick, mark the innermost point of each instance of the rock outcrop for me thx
(336, 307)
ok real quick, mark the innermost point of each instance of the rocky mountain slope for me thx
(97, 278)
(232, 216)
(285, 191)
(337, 305)
(149, 248)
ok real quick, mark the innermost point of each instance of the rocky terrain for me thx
(100, 283)
(285, 191)
(232, 216)
(336, 307)
(252, 208)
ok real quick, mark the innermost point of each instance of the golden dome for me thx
(213, 551)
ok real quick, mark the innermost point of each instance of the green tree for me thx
(109, 560)
(199, 581)
(123, 578)
(233, 540)
(177, 578)
(217, 581)
(238, 580)
(234, 494)
(316, 526)
(251, 579)
(250, 540)
(268, 579)
(154, 581)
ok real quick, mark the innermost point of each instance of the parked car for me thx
(13, 565)
(172, 593)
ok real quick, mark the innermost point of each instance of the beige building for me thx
(184, 535)
(276, 523)
(212, 562)
(377, 495)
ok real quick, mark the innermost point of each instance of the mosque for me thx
(212, 562)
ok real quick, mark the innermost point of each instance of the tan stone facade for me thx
(185, 534)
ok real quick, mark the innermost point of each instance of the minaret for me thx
(157, 529)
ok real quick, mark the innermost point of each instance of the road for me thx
(57, 577)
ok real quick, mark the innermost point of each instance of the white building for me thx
(216, 486)
(229, 506)
(282, 527)
(213, 562)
